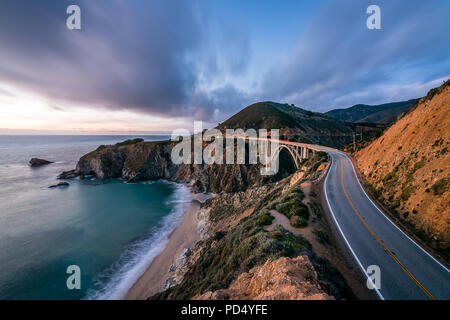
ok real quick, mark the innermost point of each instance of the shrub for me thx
(322, 155)
(316, 165)
(390, 177)
(316, 209)
(293, 208)
(301, 211)
(298, 222)
(321, 236)
(265, 219)
(419, 165)
(406, 193)
(296, 193)
(440, 186)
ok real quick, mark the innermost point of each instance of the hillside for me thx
(259, 115)
(282, 279)
(408, 168)
(382, 114)
(294, 123)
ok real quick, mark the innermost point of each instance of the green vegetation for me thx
(100, 148)
(265, 219)
(129, 142)
(295, 193)
(246, 246)
(316, 166)
(419, 164)
(381, 114)
(390, 177)
(292, 207)
(406, 193)
(321, 236)
(261, 115)
(228, 254)
(435, 91)
(316, 209)
(119, 144)
(440, 186)
(298, 221)
(322, 155)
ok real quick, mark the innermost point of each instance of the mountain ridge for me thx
(385, 113)
(296, 124)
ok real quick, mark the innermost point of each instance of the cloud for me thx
(150, 56)
(337, 56)
(182, 58)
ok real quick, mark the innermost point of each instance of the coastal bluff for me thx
(136, 160)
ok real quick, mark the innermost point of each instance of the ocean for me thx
(110, 229)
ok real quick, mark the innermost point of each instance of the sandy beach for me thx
(183, 237)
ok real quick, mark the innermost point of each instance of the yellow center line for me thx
(381, 242)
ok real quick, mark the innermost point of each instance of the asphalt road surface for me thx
(406, 270)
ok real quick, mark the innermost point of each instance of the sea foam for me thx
(117, 280)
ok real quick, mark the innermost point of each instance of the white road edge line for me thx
(354, 172)
(342, 233)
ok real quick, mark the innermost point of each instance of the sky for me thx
(152, 66)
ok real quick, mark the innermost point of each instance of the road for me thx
(406, 270)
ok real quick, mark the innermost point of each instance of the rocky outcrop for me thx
(61, 184)
(152, 161)
(68, 175)
(36, 162)
(282, 279)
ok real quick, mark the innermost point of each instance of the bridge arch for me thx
(292, 150)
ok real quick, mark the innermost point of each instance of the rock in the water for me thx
(61, 184)
(36, 162)
(67, 175)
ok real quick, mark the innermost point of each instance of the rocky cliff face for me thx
(152, 160)
(408, 167)
(282, 279)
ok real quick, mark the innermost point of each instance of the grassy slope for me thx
(295, 123)
(228, 254)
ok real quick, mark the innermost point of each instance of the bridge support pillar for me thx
(304, 153)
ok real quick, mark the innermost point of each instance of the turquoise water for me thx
(111, 230)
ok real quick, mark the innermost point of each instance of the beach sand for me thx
(184, 236)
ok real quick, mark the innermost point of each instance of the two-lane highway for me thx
(406, 270)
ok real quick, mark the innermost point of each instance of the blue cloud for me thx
(198, 59)
(337, 55)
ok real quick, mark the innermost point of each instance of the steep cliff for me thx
(152, 160)
(408, 167)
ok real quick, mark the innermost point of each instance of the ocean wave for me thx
(117, 280)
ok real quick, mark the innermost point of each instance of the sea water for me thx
(110, 229)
